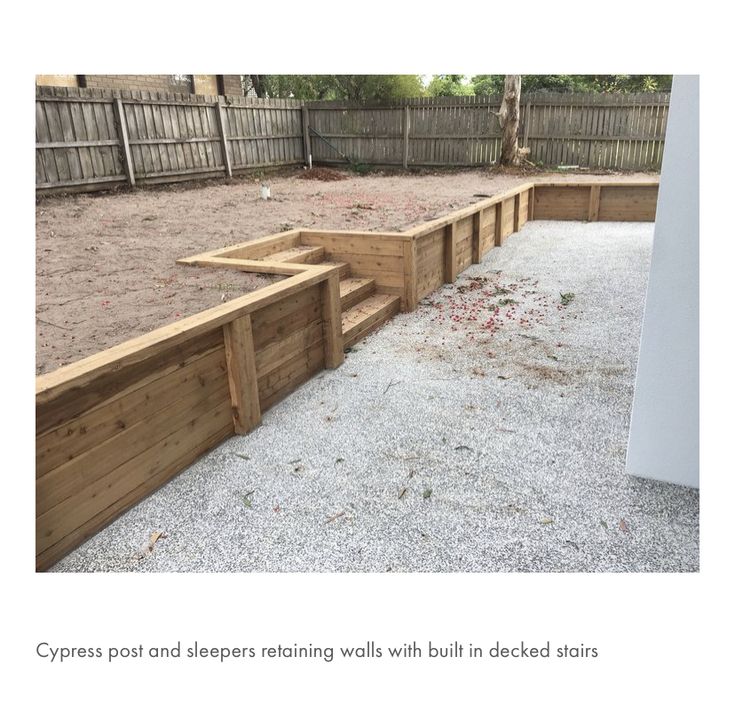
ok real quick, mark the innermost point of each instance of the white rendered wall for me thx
(664, 426)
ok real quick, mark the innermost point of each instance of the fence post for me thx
(305, 131)
(122, 124)
(241, 374)
(223, 136)
(406, 129)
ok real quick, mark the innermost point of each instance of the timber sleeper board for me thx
(343, 267)
(368, 316)
(300, 254)
(355, 290)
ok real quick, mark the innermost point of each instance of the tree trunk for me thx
(258, 82)
(509, 117)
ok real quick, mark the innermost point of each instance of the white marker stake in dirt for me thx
(664, 427)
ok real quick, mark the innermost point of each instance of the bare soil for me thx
(106, 262)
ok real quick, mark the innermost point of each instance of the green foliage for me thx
(359, 168)
(393, 87)
(449, 86)
(341, 87)
(493, 84)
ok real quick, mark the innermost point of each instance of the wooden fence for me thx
(613, 131)
(91, 139)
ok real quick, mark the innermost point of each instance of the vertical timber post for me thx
(334, 349)
(124, 141)
(406, 130)
(516, 213)
(223, 136)
(241, 374)
(450, 253)
(594, 209)
(410, 287)
(476, 230)
(499, 223)
(305, 132)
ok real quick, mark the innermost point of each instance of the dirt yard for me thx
(106, 262)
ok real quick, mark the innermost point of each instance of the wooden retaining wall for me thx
(94, 139)
(112, 428)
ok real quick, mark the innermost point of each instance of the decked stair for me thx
(363, 310)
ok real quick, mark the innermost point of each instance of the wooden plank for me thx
(242, 375)
(124, 141)
(355, 290)
(299, 254)
(102, 462)
(406, 129)
(450, 253)
(306, 135)
(332, 322)
(70, 523)
(223, 140)
(102, 423)
(356, 242)
(594, 208)
(252, 249)
(499, 220)
(410, 269)
(366, 317)
(516, 213)
(561, 202)
(476, 237)
(628, 204)
(290, 375)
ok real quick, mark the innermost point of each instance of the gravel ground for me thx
(485, 432)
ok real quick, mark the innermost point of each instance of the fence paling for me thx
(88, 139)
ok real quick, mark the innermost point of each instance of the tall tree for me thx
(509, 117)
(449, 86)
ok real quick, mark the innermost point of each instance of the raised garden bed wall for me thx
(112, 428)
(89, 139)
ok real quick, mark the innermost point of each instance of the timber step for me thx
(355, 290)
(367, 316)
(300, 254)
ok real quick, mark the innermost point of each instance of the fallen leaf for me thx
(546, 521)
(402, 493)
(427, 493)
(148, 548)
(624, 526)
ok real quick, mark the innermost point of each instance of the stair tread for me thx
(352, 284)
(295, 253)
(367, 315)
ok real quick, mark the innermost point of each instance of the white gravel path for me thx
(446, 442)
